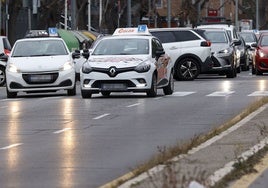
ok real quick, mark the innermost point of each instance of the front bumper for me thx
(123, 82)
(40, 81)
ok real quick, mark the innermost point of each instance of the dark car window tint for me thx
(185, 36)
(164, 36)
(7, 45)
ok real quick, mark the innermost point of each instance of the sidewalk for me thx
(212, 160)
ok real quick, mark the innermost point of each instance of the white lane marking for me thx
(258, 94)
(220, 93)
(157, 98)
(11, 146)
(136, 104)
(218, 174)
(61, 131)
(101, 116)
(181, 93)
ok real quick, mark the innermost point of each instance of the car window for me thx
(216, 36)
(39, 48)
(122, 46)
(248, 37)
(7, 45)
(165, 36)
(156, 44)
(264, 41)
(185, 36)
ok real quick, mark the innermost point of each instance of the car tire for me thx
(72, 92)
(238, 69)
(168, 90)
(253, 70)
(258, 72)
(152, 92)
(86, 94)
(105, 93)
(231, 73)
(2, 76)
(187, 69)
(11, 94)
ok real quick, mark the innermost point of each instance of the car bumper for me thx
(262, 64)
(207, 65)
(24, 82)
(128, 81)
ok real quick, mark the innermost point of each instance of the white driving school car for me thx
(129, 60)
(42, 64)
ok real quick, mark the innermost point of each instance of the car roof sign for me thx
(52, 31)
(140, 30)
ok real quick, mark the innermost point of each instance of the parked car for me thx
(243, 52)
(5, 48)
(260, 64)
(189, 51)
(42, 64)
(131, 60)
(223, 51)
(232, 32)
(250, 38)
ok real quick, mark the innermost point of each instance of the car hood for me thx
(44, 63)
(117, 61)
(215, 47)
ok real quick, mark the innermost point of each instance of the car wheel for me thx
(258, 72)
(2, 76)
(86, 94)
(187, 69)
(168, 90)
(152, 92)
(71, 92)
(11, 94)
(238, 69)
(231, 73)
(106, 93)
(253, 70)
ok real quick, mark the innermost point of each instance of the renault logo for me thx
(112, 71)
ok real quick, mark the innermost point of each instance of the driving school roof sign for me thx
(140, 30)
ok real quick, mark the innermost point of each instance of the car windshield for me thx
(248, 37)
(122, 46)
(39, 48)
(264, 41)
(216, 36)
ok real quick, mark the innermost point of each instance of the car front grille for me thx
(44, 78)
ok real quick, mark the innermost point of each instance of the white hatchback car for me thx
(129, 60)
(40, 65)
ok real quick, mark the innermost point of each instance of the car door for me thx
(160, 62)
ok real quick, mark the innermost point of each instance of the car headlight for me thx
(142, 67)
(86, 68)
(261, 54)
(66, 66)
(225, 51)
(12, 68)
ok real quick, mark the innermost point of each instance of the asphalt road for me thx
(52, 140)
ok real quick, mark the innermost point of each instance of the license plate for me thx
(40, 78)
(119, 86)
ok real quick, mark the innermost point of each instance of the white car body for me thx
(118, 73)
(40, 72)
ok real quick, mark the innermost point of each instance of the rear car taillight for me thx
(7, 52)
(205, 43)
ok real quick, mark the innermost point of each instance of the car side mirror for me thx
(254, 45)
(3, 57)
(85, 53)
(76, 54)
(236, 42)
(159, 52)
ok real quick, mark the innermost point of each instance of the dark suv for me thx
(189, 51)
